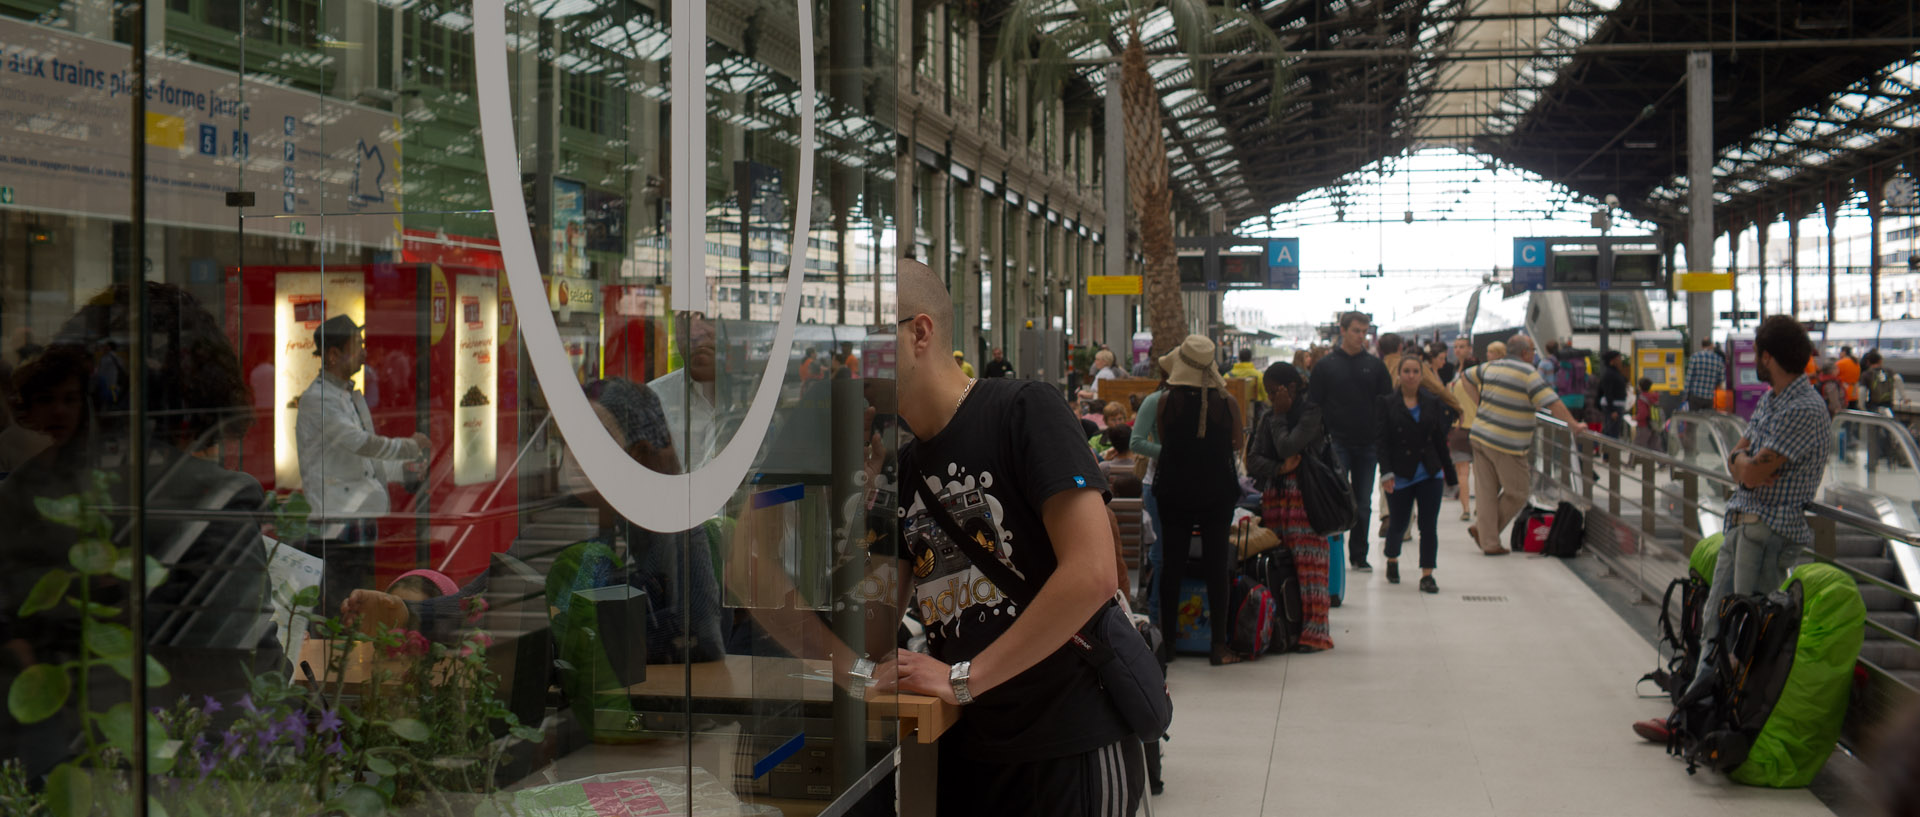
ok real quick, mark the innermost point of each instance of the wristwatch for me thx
(863, 670)
(958, 677)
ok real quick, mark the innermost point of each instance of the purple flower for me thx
(158, 711)
(272, 734)
(200, 743)
(246, 703)
(335, 748)
(211, 706)
(232, 744)
(329, 721)
(294, 725)
(207, 762)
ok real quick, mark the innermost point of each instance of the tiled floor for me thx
(1439, 707)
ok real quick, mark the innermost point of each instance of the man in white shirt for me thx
(694, 415)
(344, 465)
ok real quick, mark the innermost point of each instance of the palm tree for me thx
(1050, 35)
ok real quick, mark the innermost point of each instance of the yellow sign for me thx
(1113, 285)
(1704, 281)
(166, 131)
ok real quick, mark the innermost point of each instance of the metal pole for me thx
(1760, 261)
(137, 398)
(1733, 270)
(1833, 288)
(1873, 253)
(1793, 261)
(1119, 333)
(1699, 190)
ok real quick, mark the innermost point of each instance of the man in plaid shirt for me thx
(1778, 465)
(1706, 373)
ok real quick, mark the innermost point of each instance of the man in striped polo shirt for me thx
(1508, 392)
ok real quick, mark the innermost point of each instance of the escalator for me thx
(1872, 473)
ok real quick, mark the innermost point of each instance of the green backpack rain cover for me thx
(1805, 723)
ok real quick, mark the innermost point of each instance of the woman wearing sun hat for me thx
(1197, 485)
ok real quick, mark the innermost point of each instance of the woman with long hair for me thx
(1291, 431)
(1197, 485)
(1413, 428)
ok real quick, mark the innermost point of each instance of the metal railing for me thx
(1646, 509)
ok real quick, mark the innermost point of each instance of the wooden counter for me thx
(746, 677)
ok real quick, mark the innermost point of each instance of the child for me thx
(1646, 418)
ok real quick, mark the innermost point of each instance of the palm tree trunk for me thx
(1149, 185)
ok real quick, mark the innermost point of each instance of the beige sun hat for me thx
(1191, 364)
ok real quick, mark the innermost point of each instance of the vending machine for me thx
(439, 359)
(1660, 356)
(1747, 385)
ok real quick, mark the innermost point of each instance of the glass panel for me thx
(384, 571)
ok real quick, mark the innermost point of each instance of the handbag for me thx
(1325, 492)
(1108, 642)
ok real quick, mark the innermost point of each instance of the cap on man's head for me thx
(334, 331)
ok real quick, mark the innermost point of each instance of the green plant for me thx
(421, 725)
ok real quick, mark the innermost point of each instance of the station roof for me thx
(1586, 93)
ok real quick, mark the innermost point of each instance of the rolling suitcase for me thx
(1336, 568)
(1275, 569)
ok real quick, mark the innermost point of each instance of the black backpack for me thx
(1275, 568)
(1749, 660)
(1568, 533)
(1680, 640)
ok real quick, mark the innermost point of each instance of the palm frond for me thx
(1193, 31)
(1041, 35)
(1268, 40)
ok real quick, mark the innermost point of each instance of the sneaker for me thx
(1654, 730)
(1362, 567)
(1393, 572)
(1496, 551)
(1466, 517)
(1428, 585)
(1333, 601)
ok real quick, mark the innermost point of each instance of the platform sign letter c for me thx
(1529, 252)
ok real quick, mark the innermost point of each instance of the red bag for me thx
(1538, 525)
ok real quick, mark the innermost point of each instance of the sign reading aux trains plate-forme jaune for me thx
(65, 140)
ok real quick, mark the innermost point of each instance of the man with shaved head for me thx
(1007, 460)
(1508, 393)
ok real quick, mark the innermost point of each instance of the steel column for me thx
(1119, 335)
(1699, 190)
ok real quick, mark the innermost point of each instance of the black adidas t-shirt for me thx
(1012, 445)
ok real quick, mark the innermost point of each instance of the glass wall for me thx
(444, 407)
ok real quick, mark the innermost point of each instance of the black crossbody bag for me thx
(1109, 642)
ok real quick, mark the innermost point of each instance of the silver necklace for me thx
(963, 394)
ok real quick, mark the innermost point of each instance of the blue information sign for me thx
(1529, 263)
(1283, 263)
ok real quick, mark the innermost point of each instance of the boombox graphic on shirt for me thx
(946, 582)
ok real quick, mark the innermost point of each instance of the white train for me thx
(1485, 314)
(1898, 342)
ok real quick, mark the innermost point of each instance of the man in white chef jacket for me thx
(344, 465)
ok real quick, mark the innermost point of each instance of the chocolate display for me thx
(473, 397)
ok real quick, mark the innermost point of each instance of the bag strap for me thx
(1087, 640)
(998, 573)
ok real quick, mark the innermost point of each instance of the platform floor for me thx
(1435, 706)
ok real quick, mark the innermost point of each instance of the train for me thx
(1898, 342)
(1487, 313)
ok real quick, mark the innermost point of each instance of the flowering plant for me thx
(420, 724)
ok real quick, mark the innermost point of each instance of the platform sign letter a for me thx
(1283, 252)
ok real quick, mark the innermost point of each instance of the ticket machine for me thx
(1660, 356)
(1747, 385)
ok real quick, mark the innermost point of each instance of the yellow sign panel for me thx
(1113, 285)
(1705, 281)
(166, 131)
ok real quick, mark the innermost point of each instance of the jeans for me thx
(1400, 506)
(1359, 461)
(1215, 566)
(1156, 556)
(1753, 559)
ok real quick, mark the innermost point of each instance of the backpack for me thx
(1568, 532)
(1253, 611)
(1275, 568)
(1714, 724)
(1880, 388)
(1570, 378)
(1680, 640)
(1529, 534)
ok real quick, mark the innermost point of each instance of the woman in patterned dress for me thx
(1273, 458)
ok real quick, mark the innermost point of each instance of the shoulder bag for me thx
(1108, 642)
(1325, 492)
